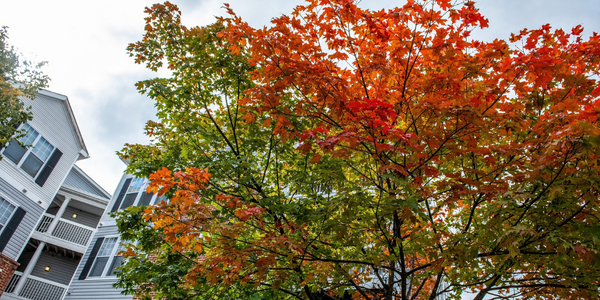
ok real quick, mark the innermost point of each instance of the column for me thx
(29, 268)
(59, 215)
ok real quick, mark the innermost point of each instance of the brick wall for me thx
(8, 267)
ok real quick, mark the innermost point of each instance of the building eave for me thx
(98, 201)
(83, 152)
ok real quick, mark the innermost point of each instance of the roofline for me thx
(94, 183)
(94, 198)
(84, 151)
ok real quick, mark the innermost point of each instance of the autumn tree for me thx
(18, 78)
(347, 153)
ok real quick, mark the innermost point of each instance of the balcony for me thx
(66, 230)
(36, 288)
(68, 223)
(43, 274)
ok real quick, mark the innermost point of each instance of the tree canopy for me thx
(344, 153)
(18, 78)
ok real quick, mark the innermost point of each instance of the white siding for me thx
(61, 268)
(83, 217)
(78, 181)
(52, 121)
(94, 288)
(33, 214)
(106, 219)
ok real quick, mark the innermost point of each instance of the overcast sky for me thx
(84, 43)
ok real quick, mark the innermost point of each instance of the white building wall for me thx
(52, 121)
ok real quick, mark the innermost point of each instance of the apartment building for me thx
(49, 208)
(96, 272)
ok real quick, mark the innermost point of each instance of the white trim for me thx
(3, 196)
(83, 197)
(142, 190)
(110, 260)
(48, 281)
(65, 100)
(53, 95)
(76, 224)
(91, 181)
(29, 151)
(17, 185)
(48, 238)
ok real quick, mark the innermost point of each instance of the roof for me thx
(83, 152)
(77, 179)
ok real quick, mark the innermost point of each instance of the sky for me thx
(84, 44)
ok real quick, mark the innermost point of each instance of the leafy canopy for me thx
(18, 78)
(347, 153)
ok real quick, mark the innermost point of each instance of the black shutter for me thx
(11, 227)
(45, 173)
(121, 195)
(145, 199)
(16, 126)
(91, 258)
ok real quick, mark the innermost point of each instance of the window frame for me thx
(113, 255)
(29, 151)
(138, 196)
(2, 196)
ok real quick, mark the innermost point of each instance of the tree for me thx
(348, 153)
(18, 78)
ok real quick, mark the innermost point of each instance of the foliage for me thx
(348, 153)
(18, 78)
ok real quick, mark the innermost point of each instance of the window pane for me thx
(6, 209)
(128, 201)
(115, 263)
(145, 199)
(32, 165)
(42, 149)
(136, 185)
(160, 199)
(14, 152)
(107, 247)
(30, 136)
(99, 266)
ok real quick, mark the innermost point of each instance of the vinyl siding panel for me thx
(106, 218)
(94, 288)
(52, 121)
(61, 268)
(77, 181)
(34, 212)
(83, 217)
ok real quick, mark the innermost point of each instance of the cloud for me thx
(85, 41)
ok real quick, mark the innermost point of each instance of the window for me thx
(103, 265)
(137, 185)
(6, 210)
(161, 199)
(30, 160)
(116, 262)
(133, 193)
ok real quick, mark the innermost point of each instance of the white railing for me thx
(73, 232)
(37, 288)
(45, 223)
(66, 230)
(12, 283)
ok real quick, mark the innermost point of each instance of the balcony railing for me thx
(45, 223)
(66, 230)
(36, 288)
(12, 283)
